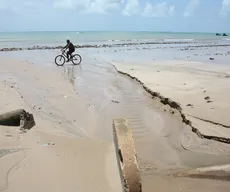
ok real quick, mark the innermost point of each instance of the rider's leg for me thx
(71, 54)
(68, 54)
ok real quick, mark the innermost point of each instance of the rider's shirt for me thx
(71, 47)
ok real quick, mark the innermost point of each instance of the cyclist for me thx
(71, 48)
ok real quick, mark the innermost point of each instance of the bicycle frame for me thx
(65, 54)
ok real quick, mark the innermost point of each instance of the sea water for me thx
(29, 39)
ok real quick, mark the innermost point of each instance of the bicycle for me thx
(61, 59)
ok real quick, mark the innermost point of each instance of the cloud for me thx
(96, 6)
(24, 6)
(191, 7)
(225, 10)
(161, 9)
(132, 8)
(93, 6)
(101, 6)
(69, 4)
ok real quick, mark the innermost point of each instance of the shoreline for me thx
(187, 46)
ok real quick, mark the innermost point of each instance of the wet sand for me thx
(73, 160)
(75, 111)
(164, 145)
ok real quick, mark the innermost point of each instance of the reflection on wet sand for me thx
(70, 72)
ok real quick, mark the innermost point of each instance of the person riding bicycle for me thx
(71, 48)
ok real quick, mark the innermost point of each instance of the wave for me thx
(122, 40)
(132, 40)
(12, 40)
(112, 40)
(178, 40)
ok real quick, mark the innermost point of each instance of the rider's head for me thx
(68, 41)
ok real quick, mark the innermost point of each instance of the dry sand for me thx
(75, 114)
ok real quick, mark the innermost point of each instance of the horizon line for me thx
(40, 31)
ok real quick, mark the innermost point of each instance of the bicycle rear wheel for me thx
(60, 60)
(76, 59)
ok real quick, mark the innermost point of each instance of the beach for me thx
(175, 100)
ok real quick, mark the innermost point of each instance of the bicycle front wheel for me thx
(60, 60)
(76, 59)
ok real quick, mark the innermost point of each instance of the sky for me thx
(115, 15)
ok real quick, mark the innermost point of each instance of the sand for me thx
(71, 162)
(202, 90)
(73, 109)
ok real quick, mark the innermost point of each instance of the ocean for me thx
(30, 39)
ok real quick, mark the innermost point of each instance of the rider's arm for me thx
(66, 47)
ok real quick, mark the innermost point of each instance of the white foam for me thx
(111, 40)
(176, 40)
